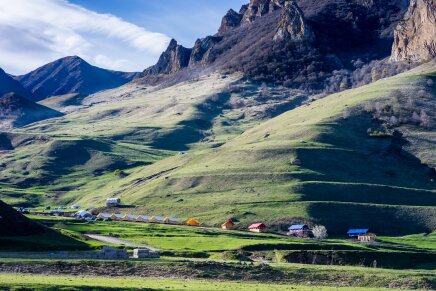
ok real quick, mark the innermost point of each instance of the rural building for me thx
(355, 232)
(104, 215)
(143, 218)
(113, 253)
(83, 214)
(156, 219)
(192, 222)
(129, 217)
(144, 254)
(117, 216)
(367, 237)
(228, 224)
(113, 202)
(171, 220)
(299, 230)
(257, 227)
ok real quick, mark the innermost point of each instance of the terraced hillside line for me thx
(148, 178)
(117, 241)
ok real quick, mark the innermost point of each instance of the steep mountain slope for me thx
(17, 111)
(9, 85)
(13, 223)
(333, 162)
(415, 36)
(294, 43)
(71, 75)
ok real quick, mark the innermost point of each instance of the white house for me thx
(113, 202)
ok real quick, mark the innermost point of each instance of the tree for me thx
(320, 232)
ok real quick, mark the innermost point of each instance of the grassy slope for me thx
(116, 129)
(341, 171)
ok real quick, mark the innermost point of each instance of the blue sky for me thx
(126, 35)
(184, 20)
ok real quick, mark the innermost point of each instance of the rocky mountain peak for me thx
(415, 36)
(172, 60)
(292, 25)
(258, 8)
(231, 20)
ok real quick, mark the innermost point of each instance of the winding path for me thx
(115, 240)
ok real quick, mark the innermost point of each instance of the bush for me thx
(319, 232)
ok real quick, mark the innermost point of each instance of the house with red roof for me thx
(257, 227)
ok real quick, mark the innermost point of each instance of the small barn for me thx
(157, 219)
(113, 202)
(228, 224)
(142, 218)
(129, 217)
(367, 237)
(193, 222)
(171, 220)
(299, 230)
(355, 232)
(257, 227)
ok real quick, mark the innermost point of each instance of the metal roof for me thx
(256, 225)
(358, 231)
(297, 226)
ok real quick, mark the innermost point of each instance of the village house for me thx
(129, 217)
(83, 214)
(104, 215)
(367, 237)
(355, 232)
(143, 218)
(113, 202)
(144, 254)
(192, 222)
(171, 220)
(228, 224)
(257, 227)
(299, 230)
(117, 216)
(156, 219)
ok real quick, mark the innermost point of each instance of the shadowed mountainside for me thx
(71, 75)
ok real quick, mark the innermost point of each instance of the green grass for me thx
(40, 282)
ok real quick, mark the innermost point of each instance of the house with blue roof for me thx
(355, 232)
(299, 230)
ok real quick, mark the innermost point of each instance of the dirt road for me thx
(115, 240)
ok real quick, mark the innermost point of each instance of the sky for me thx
(125, 35)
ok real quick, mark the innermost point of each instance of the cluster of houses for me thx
(303, 231)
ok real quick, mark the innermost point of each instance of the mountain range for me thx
(293, 111)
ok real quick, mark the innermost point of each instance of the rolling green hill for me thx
(320, 161)
(193, 150)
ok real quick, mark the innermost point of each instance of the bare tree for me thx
(319, 232)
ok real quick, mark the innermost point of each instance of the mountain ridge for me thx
(71, 75)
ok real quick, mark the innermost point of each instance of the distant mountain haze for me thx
(71, 75)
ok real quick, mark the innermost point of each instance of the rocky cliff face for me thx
(201, 51)
(231, 20)
(172, 60)
(415, 36)
(292, 24)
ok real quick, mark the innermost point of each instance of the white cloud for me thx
(35, 32)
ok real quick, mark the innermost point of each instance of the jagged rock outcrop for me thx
(201, 51)
(175, 58)
(415, 36)
(292, 25)
(258, 8)
(231, 20)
